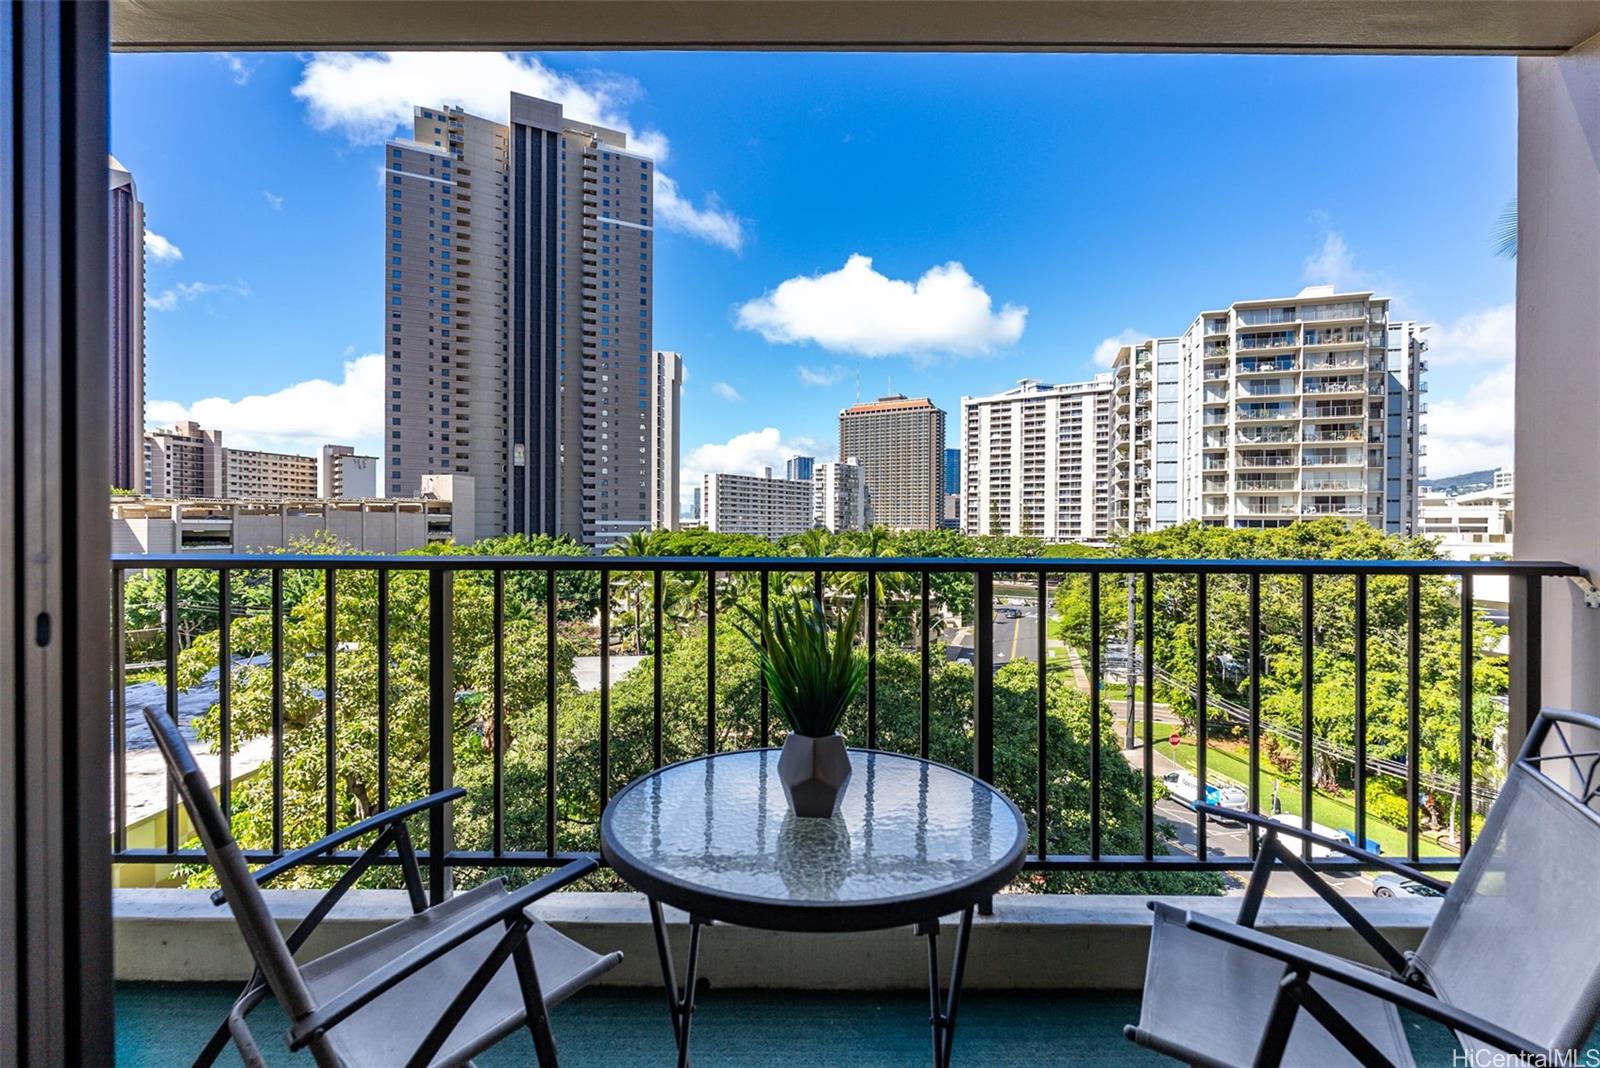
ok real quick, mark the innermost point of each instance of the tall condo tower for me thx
(520, 312)
(899, 443)
(127, 331)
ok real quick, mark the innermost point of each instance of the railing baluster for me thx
(927, 639)
(655, 658)
(1464, 804)
(170, 659)
(119, 708)
(383, 688)
(983, 676)
(1094, 715)
(1202, 725)
(225, 689)
(330, 737)
(766, 697)
(816, 584)
(498, 712)
(1254, 587)
(1413, 711)
(711, 661)
(441, 726)
(1149, 649)
(605, 688)
(1527, 668)
(277, 710)
(872, 660)
(1043, 759)
(1307, 708)
(550, 787)
(1361, 709)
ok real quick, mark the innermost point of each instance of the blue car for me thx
(1349, 837)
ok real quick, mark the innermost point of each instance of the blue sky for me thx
(1058, 202)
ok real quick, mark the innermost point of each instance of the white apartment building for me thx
(666, 388)
(1470, 526)
(839, 496)
(1037, 461)
(755, 504)
(1271, 411)
(345, 473)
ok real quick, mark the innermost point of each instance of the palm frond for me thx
(1505, 231)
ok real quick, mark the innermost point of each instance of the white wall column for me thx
(1558, 354)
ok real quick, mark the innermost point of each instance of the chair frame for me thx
(1402, 984)
(309, 1030)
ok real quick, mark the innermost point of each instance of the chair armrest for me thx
(1368, 981)
(337, 1008)
(377, 822)
(1370, 859)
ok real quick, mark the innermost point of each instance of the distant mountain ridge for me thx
(1456, 483)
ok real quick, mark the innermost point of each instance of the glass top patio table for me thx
(912, 840)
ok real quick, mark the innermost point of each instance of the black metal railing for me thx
(1188, 601)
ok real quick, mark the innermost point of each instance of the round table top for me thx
(912, 841)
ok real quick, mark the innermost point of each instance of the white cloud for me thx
(188, 292)
(237, 67)
(1484, 337)
(273, 199)
(857, 310)
(160, 249)
(1474, 432)
(744, 454)
(1332, 263)
(726, 392)
(1105, 353)
(368, 97)
(712, 224)
(298, 418)
(821, 376)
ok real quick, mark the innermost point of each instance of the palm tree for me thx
(637, 543)
(1505, 234)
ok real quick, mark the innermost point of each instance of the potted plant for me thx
(812, 678)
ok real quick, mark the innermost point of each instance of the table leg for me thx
(943, 1017)
(680, 1003)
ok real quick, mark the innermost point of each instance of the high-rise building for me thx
(343, 473)
(252, 474)
(753, 504)
(519, 281)
(666, 386)
(186, 461)
(694, 506)
(1038, 461)
(839, 498)
(800, 468)
(952, 471)
(1270, 411)
(126, 255)
(899, 442)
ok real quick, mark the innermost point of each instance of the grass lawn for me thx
(1329, 811)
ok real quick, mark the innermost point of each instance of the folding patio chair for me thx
(1511, 963)
(435, 988)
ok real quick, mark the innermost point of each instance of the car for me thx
(1344, 834)
(1317, 851)
(964, 657)
(1391, 884)
(1184, 788)
(1012, 613)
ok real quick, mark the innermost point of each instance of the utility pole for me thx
(1128, 674)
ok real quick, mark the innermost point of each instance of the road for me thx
(1014, 639)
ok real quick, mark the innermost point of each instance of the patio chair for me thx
(1511, 963)
(435, 988)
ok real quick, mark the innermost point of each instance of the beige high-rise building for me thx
(344, 473)
(1037, 461)
(125, 252)
(252, 474)
(519, 314)
(899, 443)
(666, 387)
(186, 461)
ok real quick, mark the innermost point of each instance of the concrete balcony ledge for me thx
(1050, 942)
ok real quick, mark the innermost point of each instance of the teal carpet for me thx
(162, 1024)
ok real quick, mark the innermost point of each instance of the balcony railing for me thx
(304, 680)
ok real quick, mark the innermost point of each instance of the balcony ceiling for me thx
(1528, 27)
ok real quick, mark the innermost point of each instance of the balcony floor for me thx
(160, 1024)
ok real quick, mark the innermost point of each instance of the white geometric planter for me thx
(814, 773)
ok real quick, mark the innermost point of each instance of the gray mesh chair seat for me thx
(1511, 963)
(390, 1028)
(435, 988)
(1214, 999)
